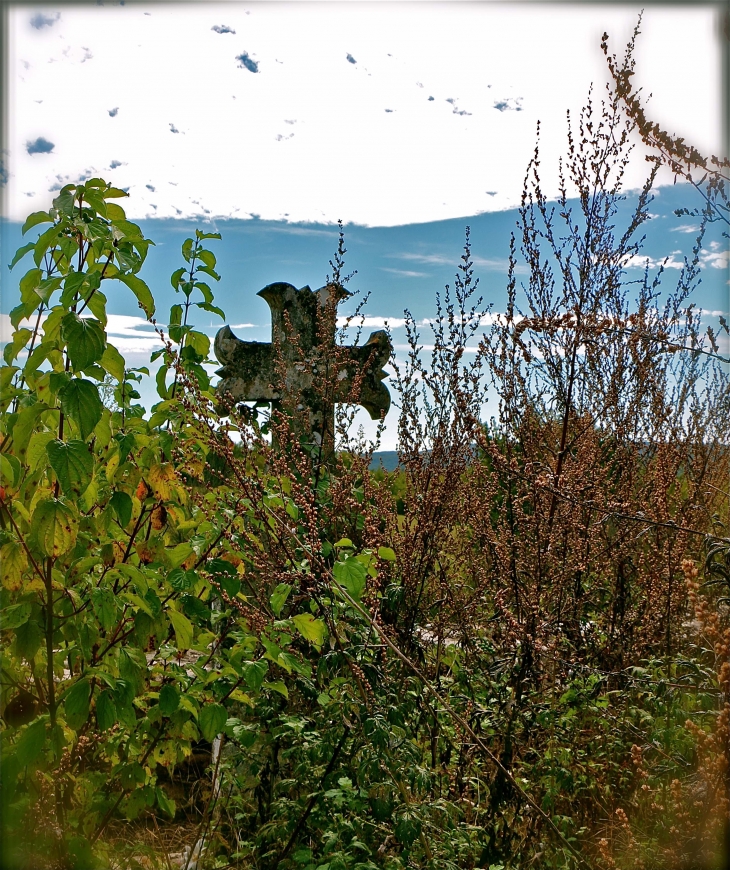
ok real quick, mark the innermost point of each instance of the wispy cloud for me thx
(407, 273)
(685, 228)
(434, 259)
(455, 110)
(444, 260)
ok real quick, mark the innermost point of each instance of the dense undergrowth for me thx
(506, 654)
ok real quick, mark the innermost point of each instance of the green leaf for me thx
(106, 710)
(166, 804)
(183, 629)
(38, 217)
(208, 257)
(169, 699)
(407, 829)
(47, 288)
(28, 639)
(195, 608)
(23, 427)
(80, 401)
(72, 463)
(279, 596)
(386, 554)
(115, 212)
(141, 291)
(53, 527)
(279, 687)
(205, 290)
(176, 313)
(76, 704)
(113, 362)
(254, 673)
(105, 607)
(31, 741)
(176, 277)
(230, 584)
(312, 629)
(85, 339)
(97, 306)
(206, 306)
(180, 579)
(351, 574)
(114, 192)
(15, 615)
(21, 337)
(96, 201)
(122, 506)
(212, 721)
(208, 271)
(45, 241)
(199, 342)
(21, 252)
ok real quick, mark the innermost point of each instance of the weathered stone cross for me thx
(252, 370)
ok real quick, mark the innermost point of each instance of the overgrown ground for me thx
(510, 653)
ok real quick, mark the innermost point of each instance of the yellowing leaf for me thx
(13, 562)
(111, 466)
(53, 527)
(37, 449)
(159, 478)
(183, 629)
(179, 554)
(310, 628)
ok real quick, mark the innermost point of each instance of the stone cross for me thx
(294, 363)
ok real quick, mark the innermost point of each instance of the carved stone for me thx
(293, 367)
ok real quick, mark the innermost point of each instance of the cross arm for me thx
(247, 372)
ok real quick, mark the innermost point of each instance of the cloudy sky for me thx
(270, 121)
(375, 113)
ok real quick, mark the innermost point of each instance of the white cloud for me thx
(371, 322)
(129, 334)
(425, 162)
(642, 261)
(407, 273)
(716, 258)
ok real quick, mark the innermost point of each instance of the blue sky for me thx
(270, 121)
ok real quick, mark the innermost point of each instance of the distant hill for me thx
(387, 458)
